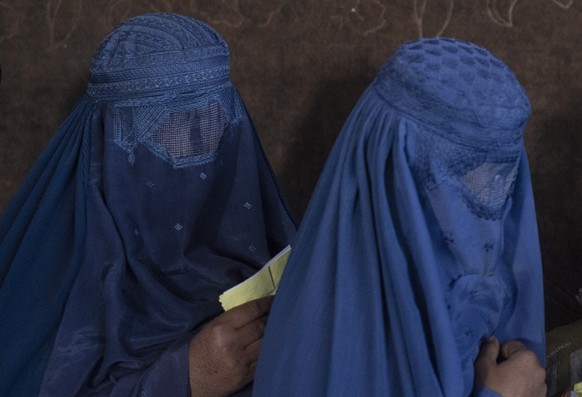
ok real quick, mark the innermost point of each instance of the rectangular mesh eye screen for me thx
(192, 132)
(491, 183)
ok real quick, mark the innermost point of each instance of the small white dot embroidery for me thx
(252, 248)
(248, 205)
(149, 184)
(202, 175)
(178, 227)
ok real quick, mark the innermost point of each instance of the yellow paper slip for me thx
(262, 284)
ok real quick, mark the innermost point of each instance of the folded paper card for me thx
(262, 284)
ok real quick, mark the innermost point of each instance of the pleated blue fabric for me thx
(153, 198)
(419, 241)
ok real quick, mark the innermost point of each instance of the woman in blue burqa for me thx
(420, 243)
(153, 198)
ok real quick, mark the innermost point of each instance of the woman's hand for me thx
(223, 355)
(511, 371)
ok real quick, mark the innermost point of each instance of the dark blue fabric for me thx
(42, 237)
(420, 240)
(154, 198)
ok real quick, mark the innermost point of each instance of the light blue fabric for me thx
(153, 198)
(419, 241)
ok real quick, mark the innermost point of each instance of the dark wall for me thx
(300, 66)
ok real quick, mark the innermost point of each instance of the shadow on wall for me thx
(321, 125)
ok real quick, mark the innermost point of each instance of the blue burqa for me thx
(420, 240)
(152, 199)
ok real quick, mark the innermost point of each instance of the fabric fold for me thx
(420, 240)
(153, 198)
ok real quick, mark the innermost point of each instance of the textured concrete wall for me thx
(300, 66)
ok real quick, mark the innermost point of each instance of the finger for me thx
(248, 312)
(488, 353)
(250, 374)
(253, 367)
(250, 355)
(250, 333)
(252, 350)
(510, 348)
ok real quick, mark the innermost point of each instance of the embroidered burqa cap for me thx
(153, 198)
(420, 240)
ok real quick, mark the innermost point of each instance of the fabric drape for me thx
(419, 241)
(159, 197)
